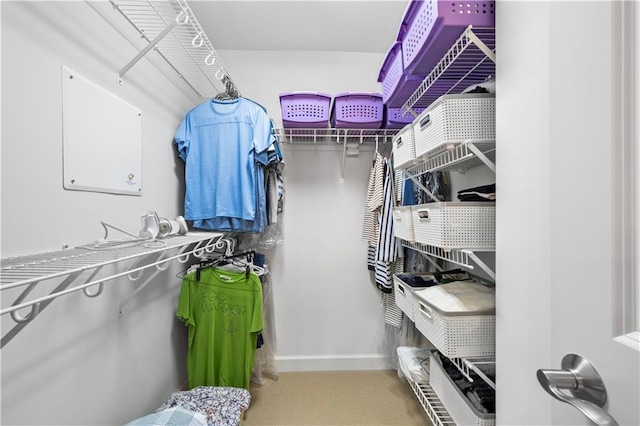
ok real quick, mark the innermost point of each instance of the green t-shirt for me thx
(224, 314)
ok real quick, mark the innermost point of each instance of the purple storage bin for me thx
(305, 109)
(357, 110)
(432, 26)
(395, 119)
(397, 85)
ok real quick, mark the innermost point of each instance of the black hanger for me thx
(213, 262)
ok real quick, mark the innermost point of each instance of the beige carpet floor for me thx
(331, 398)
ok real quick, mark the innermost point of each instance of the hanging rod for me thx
(172, 30)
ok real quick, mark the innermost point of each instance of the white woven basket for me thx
(403, 223)
(453, 119)
(455, 225)
(460, 408)
(456, 335)
(404, 148)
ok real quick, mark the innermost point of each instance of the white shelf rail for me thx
(462, 257)
(29, 271)
(432, 405)
(350, 139)
(459, 157)
(172, 30)
(470, 60)
(333, 135)
(476, 364)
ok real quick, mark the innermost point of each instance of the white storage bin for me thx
(403, 223)
(403, 290)
(455, 225)
(453, 119)
(404, 148)
(456, 333)
(461, 410)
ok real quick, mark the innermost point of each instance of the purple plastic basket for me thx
(305, 109)
(395, 119)
(432, 26)
(357, 110)
(397, 85)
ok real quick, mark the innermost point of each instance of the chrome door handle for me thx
(583, 382)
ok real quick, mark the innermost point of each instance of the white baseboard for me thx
(331, 362)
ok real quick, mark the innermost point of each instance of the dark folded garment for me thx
(478, 193)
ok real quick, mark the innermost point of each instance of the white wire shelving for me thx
(431, 404)
(333, 135)
(460, 257)
(477, 365)
(84, 264)
(351, 139)
(172, 30)
(457, 157)
(471, 60)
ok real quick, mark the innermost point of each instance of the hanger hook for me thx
(35, 309)
(198, 40)
(182, 17)
(210, 59)
(97, 293)
(221, 76)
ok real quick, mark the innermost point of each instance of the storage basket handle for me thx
(423, 214)
(425, 310)
(399, 142)
(401, 288)
(425, 121)
(397, 215)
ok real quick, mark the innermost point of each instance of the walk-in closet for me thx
(395, 212)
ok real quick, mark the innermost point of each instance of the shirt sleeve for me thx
(182, 138)
(262, 135)
(184, 303)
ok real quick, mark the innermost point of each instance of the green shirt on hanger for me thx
(223, 311)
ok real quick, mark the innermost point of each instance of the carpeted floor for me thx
(335, 398)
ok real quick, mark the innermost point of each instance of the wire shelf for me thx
(471, 60)
(432, 405)
(460, 157)
(29, 270)
(475, 364)
(333, 135)
(183, 43)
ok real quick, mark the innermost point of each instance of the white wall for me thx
(78, 362)
(327, 308)
(523, 212)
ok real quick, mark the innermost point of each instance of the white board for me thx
(102, 139)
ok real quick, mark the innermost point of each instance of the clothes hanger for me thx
(230, 91)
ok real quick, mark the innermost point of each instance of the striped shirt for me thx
(373, 204)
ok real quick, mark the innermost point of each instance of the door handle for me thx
(587, 391)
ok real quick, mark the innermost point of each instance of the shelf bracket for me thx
(480, 44)
(490, 164)
(150, 46)
(425, 189)
(480, 263)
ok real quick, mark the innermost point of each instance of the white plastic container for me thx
(404, 148)
(456, 333)
(455, 225)
(403, 291)
(403, 223)
(460, 408)
(453, 119)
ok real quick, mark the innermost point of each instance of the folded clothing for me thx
(478, 193)
(417, 280)
(459, 296)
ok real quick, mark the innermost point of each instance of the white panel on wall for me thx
(102, 139)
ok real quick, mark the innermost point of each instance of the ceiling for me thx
(321, 25)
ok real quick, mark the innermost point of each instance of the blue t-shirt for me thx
(220, 142)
